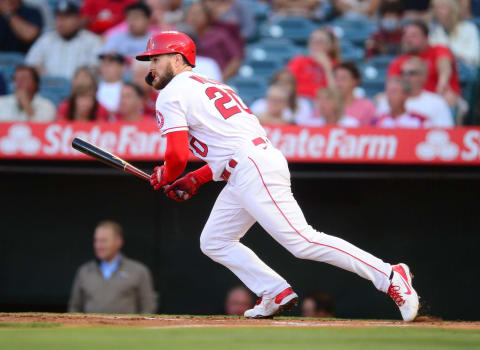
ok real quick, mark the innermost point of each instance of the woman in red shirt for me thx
(315, 71)
(82, 104)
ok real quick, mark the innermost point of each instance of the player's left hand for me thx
(156, 177)
(182, 189)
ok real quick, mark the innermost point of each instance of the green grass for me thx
(384, 338)
(28, 325)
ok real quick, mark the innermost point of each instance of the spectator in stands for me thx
(397, 91)
(442, 73)
(101, 15)
(112, 283)
(238, 300)
(421, 102)
(217, 41)
(139, 72)
(131, 105)
(135, 39)
(347, 78)
(157, 20)
(315, 70)
(329, 110)
(318, 305)
(277, 103)
(84, 77)
(298, 108)
(111, 69)
(450, 30)
(82, 104)
(203, 65)
(388, 39)
(61, 52)
(20, 25)
(235, 12)
(354, 8)
(25, 104)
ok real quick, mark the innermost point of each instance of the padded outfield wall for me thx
(427, 217)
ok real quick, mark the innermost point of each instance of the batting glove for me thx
(182, 189)
(156, 177)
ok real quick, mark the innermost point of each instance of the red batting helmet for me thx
(170, 42)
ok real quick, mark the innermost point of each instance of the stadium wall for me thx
(425, 217)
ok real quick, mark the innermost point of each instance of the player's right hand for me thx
(182, 189)
(156, 177)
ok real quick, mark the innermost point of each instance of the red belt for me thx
(233, 163)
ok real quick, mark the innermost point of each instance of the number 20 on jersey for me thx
(222, 96)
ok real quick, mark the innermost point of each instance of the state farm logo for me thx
(437, 145)
(20, 140)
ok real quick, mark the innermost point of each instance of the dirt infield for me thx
(165, 321)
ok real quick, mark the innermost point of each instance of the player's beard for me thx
(165, 79)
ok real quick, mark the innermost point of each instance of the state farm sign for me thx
(330, 145)
(55, 140)
(335, 143)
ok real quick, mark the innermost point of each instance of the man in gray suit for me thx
(112, 283)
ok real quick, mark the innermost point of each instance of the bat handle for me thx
(137, 172)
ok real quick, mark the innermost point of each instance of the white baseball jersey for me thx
(221, 128)
(217, 120)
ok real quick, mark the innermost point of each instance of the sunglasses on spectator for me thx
(410, 72)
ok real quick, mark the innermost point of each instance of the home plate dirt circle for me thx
(169, 321)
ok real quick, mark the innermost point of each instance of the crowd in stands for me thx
(353, 63)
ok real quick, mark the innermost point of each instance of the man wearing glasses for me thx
(429, 105)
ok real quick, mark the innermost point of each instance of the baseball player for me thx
(209, 118)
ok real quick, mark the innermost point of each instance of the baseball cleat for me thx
(267, 308)
(402, 292)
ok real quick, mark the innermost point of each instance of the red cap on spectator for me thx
(170, 42)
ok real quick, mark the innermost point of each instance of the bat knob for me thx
(182, 194)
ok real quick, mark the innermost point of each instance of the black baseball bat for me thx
(107, 158)
(112, 160)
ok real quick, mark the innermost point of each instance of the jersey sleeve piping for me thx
(175, 128)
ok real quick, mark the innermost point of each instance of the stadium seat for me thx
(259, 68)
(8, 62)
(297, 29)
(351, 52)
(273, 49)
(381, 61)
(356, 30)
(249, 88)
(373, 79)
(55, 89)
(466, 76)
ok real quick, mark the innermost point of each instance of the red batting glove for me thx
(156, 177)
(183, 189)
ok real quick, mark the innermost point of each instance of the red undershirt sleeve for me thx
(176, 156)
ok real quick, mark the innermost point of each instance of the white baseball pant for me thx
(259, 190)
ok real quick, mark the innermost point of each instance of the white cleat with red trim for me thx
(402, 292)
(267, 308)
